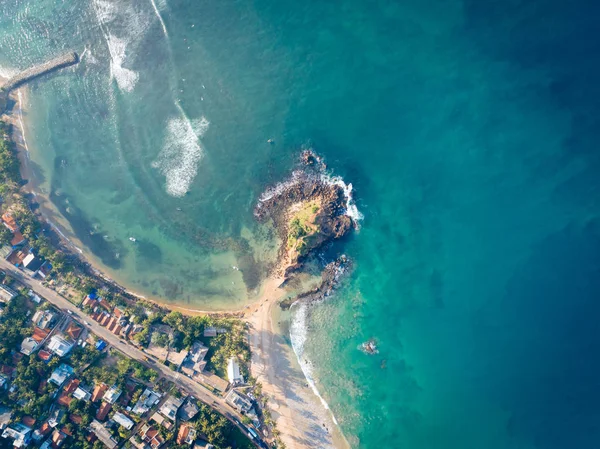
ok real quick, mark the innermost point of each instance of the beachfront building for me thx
(60, 346)
(194, 362)
(239, 401)
(123, 420)
(32, 263)
(233, 372)
(6, 293)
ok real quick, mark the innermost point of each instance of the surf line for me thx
(162, 23)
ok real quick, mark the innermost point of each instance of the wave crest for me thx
(181, 153)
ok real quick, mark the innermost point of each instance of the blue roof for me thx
(100, 345)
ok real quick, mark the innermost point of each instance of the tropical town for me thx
(85, 365)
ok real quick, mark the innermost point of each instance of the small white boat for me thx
(132, 239)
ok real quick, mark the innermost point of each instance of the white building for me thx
(123, 420)
(28, 346)
(112, 395)
(233, 372)
(148, 399)
(59, 345)
(6, 293)
(170, 408)
(60, 374)
(19, 433)
(82, 394)
(239, 401)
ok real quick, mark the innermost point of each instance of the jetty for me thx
(27, 75)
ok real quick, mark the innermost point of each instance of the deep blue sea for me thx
(470, 131)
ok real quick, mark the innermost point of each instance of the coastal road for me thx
(194, 388)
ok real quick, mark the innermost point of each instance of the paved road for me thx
(191, 387)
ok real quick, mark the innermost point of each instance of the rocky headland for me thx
(308, 211)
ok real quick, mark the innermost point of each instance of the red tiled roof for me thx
(39, 334)
(8, 370)
(64, 400)
(29, 421)
(74, 330)
(117, 329)
(118, 312)
(104, 303)
(99, 392)
(66, 431)
(45, 429)
(105, 320)
(111, 324)
(184, 430)
(10, 222)
(17, 238)
(76, 419)
(44, 355)
(71, 386)
(91, 437)
(103, 411)
(87, 301)
(17, 257)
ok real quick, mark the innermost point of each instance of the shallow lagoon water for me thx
(469, 131)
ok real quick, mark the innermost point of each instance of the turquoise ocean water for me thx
(469, 131)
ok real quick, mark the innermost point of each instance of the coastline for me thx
(299, 413)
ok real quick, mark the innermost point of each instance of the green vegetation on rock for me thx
(302, 228)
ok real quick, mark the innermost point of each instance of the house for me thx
(112, 395)
(103, 434)
(34, 297)
(19, 433)
(146, 401)
(239, 401)
(32, 263)
(42, 431)
(151, 436)
(203, 445)
(40, 335)
(103, 411)
(100, 345)
(5, 415)
(57, 439)
(170, 407)
(89, 300)
(82, 394)
(72, 386)
(195, 363)
(74, 330)
(43, 318)
(188, 410)
(17, 239)
(28, 345)
(44, 355)
(123, 420)
(56, 417)
(99, 392)
(9, 221)
(161, 421)
(60, 374)
(177, 358)
(186, 434)
(233, 372)
(4, 380)
(6, 293)
(59, 345)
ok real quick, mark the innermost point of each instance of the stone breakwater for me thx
(34, 72)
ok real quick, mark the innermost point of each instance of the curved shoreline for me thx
(275, 363)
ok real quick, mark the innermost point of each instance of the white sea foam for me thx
(298, 337)
(351, 209)
(181, 153)
(106, 11)
(126, 78)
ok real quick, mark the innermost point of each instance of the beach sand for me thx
(299, 415)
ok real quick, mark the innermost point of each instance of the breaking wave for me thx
(298, 337)
(181, 153)
(126, 78)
